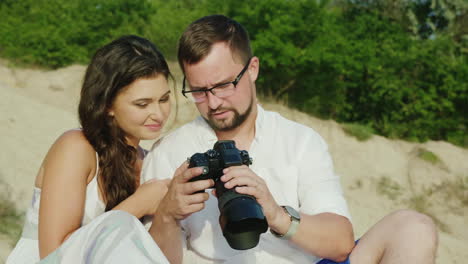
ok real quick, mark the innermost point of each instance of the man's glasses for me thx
(221, 90)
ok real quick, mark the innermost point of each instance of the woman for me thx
(125, 98)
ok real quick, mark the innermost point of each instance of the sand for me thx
(378, 176)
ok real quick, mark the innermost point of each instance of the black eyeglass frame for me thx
(235, 82)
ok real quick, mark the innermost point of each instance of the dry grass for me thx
(422, 203)
(358, 184)
(11, 220)
(390, 188)
(450, 196)
(454, 193)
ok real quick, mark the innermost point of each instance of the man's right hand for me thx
(181, 199)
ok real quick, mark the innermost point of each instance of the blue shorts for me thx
(327, 261)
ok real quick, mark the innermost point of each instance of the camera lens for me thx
(242, 222)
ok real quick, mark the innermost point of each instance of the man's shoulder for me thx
(291, 130)
(283, 123)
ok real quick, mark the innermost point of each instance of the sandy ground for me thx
(378, 175)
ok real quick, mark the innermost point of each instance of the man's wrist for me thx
(165, 219)
(294, 219)
(281, 223)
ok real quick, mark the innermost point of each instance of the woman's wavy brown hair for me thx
(112, 68)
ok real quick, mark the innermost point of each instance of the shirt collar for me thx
(259, 124)
(208, 136)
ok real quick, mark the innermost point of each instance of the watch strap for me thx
(292, 227)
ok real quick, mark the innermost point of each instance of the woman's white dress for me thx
(111, 237)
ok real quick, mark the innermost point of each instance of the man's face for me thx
(219, 66)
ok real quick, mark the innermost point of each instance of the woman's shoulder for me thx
(73, 141)
(74, 137)
(72, 152)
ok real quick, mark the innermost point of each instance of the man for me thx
(291, 174)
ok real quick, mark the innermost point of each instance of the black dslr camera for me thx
(241, 217)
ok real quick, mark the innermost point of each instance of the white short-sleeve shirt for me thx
(292, 159)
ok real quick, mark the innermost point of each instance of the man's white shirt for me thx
(292, 159)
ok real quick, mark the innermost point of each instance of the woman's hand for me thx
(151, 193)
(182, 198)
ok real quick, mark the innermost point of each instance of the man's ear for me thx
(111, 113)
(254, 68)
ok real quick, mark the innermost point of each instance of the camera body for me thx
(241, 217)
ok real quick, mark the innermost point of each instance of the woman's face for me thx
(142, 108)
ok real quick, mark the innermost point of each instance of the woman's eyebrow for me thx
(142, 100)
(148, 99)
(166, 93)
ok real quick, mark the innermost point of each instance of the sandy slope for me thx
(36, 106)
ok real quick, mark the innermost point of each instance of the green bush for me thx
(405, 88)
(57, 33)
(172, 17)
(359, 66)
(350, 63)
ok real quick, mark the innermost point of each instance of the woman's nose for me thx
(155, 112)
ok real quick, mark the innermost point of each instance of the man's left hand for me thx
(245, 181)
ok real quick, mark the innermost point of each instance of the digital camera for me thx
(241, 217)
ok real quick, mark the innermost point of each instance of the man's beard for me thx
(227, 125)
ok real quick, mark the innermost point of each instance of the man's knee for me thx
(412, 223)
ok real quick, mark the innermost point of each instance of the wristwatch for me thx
(295, 219)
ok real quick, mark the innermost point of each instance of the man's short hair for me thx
(197, 40)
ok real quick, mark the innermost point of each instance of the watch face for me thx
(292, 212)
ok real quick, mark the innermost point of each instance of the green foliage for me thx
(403, 87)
(355, 61)
(58, 32)
(361, 132)
(172, 17)
(360, 66)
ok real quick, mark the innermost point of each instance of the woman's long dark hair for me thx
(113, 67)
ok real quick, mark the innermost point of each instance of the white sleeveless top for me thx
(93, 207)
(27, 248)
(113, 237)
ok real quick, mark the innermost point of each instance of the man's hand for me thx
(245, 181)
(181, 200)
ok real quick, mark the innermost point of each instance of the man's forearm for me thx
(325, 235)
(167, 234)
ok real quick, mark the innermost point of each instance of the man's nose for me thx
(213, 101)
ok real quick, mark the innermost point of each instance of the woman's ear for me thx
(110, 113)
